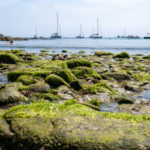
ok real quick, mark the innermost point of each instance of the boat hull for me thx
(56, 37)
(146, 37)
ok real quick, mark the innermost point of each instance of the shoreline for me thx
(61, 101)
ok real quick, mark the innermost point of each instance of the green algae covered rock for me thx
(76, 85)
(14, 75)
(8, 58)
(26, 79)
(55, 81)
(78, 62)
(75, 126)
(65, 74)
(122, 55)
(125, 100)
(39, 87)
(11, 95)
(94, 102)
(85, 72)
(103, 53)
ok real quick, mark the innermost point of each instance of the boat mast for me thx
(36, 32)
(80, 30)
(97, 26)
(57, 23)
(124, 32)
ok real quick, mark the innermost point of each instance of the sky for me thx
(20, 17)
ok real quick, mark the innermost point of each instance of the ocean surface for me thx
(133, 46)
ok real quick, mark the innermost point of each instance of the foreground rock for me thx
(11, 95)
(71, 126)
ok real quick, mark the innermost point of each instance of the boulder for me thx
(75, 126)
(11, 95)
(39, 87)
(119, 76)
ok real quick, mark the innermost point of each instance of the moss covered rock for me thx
(8, 58)
(75, 126)
(119, 76)
(39, 87)
(66, 74)
(26, 79)
(78, 62)
(122, 55)
(13, 75)
(85, 72)
(55, 81)
(103, 53)
(11, 95)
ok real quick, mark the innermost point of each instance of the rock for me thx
(103, 53)
(55, 81)
(11, 95)
(125, 100)
(78, 62)
(61, 57)
(119, 76)
(65, 93)
(76, 85)
(39, 87)
(8, 58)
(75, 126)
(26, 79)
(122, 55)
(132, 88)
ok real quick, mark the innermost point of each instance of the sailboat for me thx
(58, 33)
(36, 33)
(81, 35)
(97, 35)
(148, 36)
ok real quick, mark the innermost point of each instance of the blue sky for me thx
(19, 17)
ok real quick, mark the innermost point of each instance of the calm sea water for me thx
(133, 46)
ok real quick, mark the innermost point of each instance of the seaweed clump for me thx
(103, 53)
(8, 58)
(78, 62)
(122, 55)
(55, 81)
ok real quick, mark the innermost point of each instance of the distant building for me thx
(1, 35)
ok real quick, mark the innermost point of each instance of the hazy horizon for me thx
(20, 17)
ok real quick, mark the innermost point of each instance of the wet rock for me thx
(65, 93)
(132, 88)
(119, 76)
(61, 57)
(55, 81)
(125, 100)
(76, 85)
(11, 95)
(39, 87)
(8, 58)
(75, 126)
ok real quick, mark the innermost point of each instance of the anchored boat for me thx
(81, 35)
(58, 33)
(98, 35)
(148, 36)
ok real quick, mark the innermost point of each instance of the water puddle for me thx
(109, 107)
(3, 79)
(145, 95)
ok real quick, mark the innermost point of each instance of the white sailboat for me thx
(98, 35)
(81, 35)
(58, 33)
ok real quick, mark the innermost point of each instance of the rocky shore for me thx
(9, 38)
(50, 101)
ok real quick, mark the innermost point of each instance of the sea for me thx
(74, 45)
